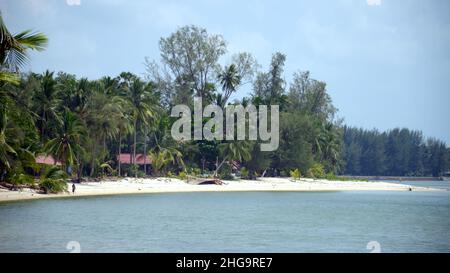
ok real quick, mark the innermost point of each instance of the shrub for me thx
(182, 176)
(316, 171)
(244, 172)
(196, 171)
(295, 174)
(49, 185)
(332, 176)
(53, 180)
(54, 172)
(225, 172)
(21, 179)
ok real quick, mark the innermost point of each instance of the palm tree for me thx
(13, 51)
(124, 125)
(46, 103)
(234, 150)
(331, 145)
(230, 80)
(140, 99)
(67, 145)
(161, 157)
(103, 116)
(6, 149)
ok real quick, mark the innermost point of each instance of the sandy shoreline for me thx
(167, 185)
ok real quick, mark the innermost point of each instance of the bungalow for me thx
(47, 160)
(140, 160)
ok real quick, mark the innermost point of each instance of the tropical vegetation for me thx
(85, 124)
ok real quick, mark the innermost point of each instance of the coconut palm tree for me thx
(239, 150)
(46, 103)
(103, 117)
(67, 146)
(6, 149)
(13, 51)
(230, 80)
(139, 95)
(331, 144)
(161, 157)
(124, 125)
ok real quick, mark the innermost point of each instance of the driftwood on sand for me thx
(211, 181)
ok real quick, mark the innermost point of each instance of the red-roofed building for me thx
(140, 159)
(47, 160)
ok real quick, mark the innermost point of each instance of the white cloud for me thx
(73, 2)
(373, 2)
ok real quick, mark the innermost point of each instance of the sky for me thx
(386, 62)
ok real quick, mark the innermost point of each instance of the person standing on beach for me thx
(73, 188)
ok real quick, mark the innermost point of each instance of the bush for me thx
(21, 179)
(244, 172)
(316, 171)
(332, 176)
(49, 185)
(54, 172)
(196, 171)
(295, 174)
(225, 172)
(133, 170)
(182, 176)
(53, 180)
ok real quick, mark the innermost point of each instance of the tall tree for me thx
(67, 146)
(139, 95)
(269, 86)
(45, 104)
(192, 56)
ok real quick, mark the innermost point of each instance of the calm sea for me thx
(231, 222)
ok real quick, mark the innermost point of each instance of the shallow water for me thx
(445, 184)
(231, 222)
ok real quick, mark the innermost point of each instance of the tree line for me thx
(85, 124)
(398, 152)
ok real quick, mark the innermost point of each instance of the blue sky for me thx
(386, 62)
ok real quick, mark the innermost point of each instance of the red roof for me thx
(47, 160)
(140, 159)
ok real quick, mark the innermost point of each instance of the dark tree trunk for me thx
(120, 151)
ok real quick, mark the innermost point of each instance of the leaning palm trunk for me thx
(134, 146)
(120, 151)
(94, 154)
(130, 144)
(145, 151)
(218, 166)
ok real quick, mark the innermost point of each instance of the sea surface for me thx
(231, 222)
(439, 184)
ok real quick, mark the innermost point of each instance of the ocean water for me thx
(231, 222)
(445, 184)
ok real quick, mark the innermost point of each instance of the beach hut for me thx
(47, 160)
(140, 160)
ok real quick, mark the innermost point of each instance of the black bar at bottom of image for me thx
(229, 262)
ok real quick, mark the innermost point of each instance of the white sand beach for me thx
(166, 185)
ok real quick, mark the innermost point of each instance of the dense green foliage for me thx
(399, 152)
(85, 124)
(53, 180)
